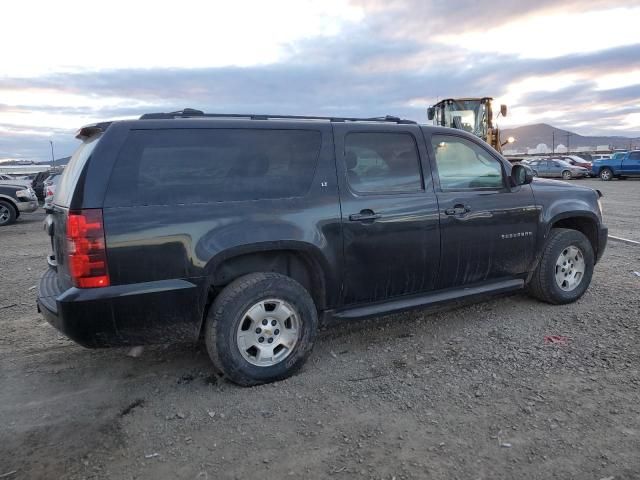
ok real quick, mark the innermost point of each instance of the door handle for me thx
(366, 215)
(458, 209)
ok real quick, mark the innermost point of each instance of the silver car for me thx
(555, 168)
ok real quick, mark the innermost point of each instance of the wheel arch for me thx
(299, 260)
(584, 222)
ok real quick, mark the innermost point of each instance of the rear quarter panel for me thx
(188, 241)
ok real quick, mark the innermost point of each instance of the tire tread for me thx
(220, 306)
(540, 286)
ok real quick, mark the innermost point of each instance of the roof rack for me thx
(192, 113)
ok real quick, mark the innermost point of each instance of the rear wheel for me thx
(8, 213)
(535, 173)
(565, 269)
(606, 174)
(261, 328)
(566, 175)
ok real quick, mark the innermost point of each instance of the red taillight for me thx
(86, 251)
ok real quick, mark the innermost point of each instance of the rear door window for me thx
(379, 162)
(177, 166)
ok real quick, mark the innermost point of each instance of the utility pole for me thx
(53, 159)
(568, 149)
(553, 142)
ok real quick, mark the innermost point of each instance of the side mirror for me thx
(503, 110)
(521, 175)
(431, 112)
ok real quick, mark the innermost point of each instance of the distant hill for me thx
(529, 136)
(59, 161)
(12, 163)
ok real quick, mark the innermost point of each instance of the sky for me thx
(63, 64)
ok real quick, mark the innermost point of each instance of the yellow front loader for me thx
(474, 115)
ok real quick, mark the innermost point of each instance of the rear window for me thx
(160, 167)
(69, 178)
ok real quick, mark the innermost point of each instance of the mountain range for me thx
(529, 136)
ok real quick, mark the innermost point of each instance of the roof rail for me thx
(192, 113)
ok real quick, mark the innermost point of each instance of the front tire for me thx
(565, 269)
(606, 174)
(261, 328)
(8, 214)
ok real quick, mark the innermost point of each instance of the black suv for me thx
(246, 229)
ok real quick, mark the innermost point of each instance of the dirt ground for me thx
(470, 392)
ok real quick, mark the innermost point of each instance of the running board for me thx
(442, 296)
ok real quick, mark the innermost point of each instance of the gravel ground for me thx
(470, 392)
(621, 203)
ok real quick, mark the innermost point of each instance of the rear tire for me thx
(8, 213)
(248, 351)
(566, 175)
(556, 279)
(606, 174)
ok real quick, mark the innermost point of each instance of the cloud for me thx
(383, 64)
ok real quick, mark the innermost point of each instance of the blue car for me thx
(621, 165)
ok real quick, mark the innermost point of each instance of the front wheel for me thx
(606, 174)
(565, 269)
(566, 175)
(261, 328)
(8, 214)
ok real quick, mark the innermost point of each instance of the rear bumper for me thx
(138, 314)
(603, 235)
(27, 207)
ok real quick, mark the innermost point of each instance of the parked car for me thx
(50, 185)
(15, 199)
(9, 180)
(557, 168)
(577, 162)
(585, 156)
(621, 165)
(600, 157)
(247, 230)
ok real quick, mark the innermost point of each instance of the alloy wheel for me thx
(268, 332)
(5, 214)
(570, 268)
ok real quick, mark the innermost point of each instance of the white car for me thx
(50, 185)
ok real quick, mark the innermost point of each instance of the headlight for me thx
(26, 194)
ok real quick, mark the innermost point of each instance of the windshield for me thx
(467, 115)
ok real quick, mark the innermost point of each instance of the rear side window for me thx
(382, 162)
(67, 181)
(158, 167)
